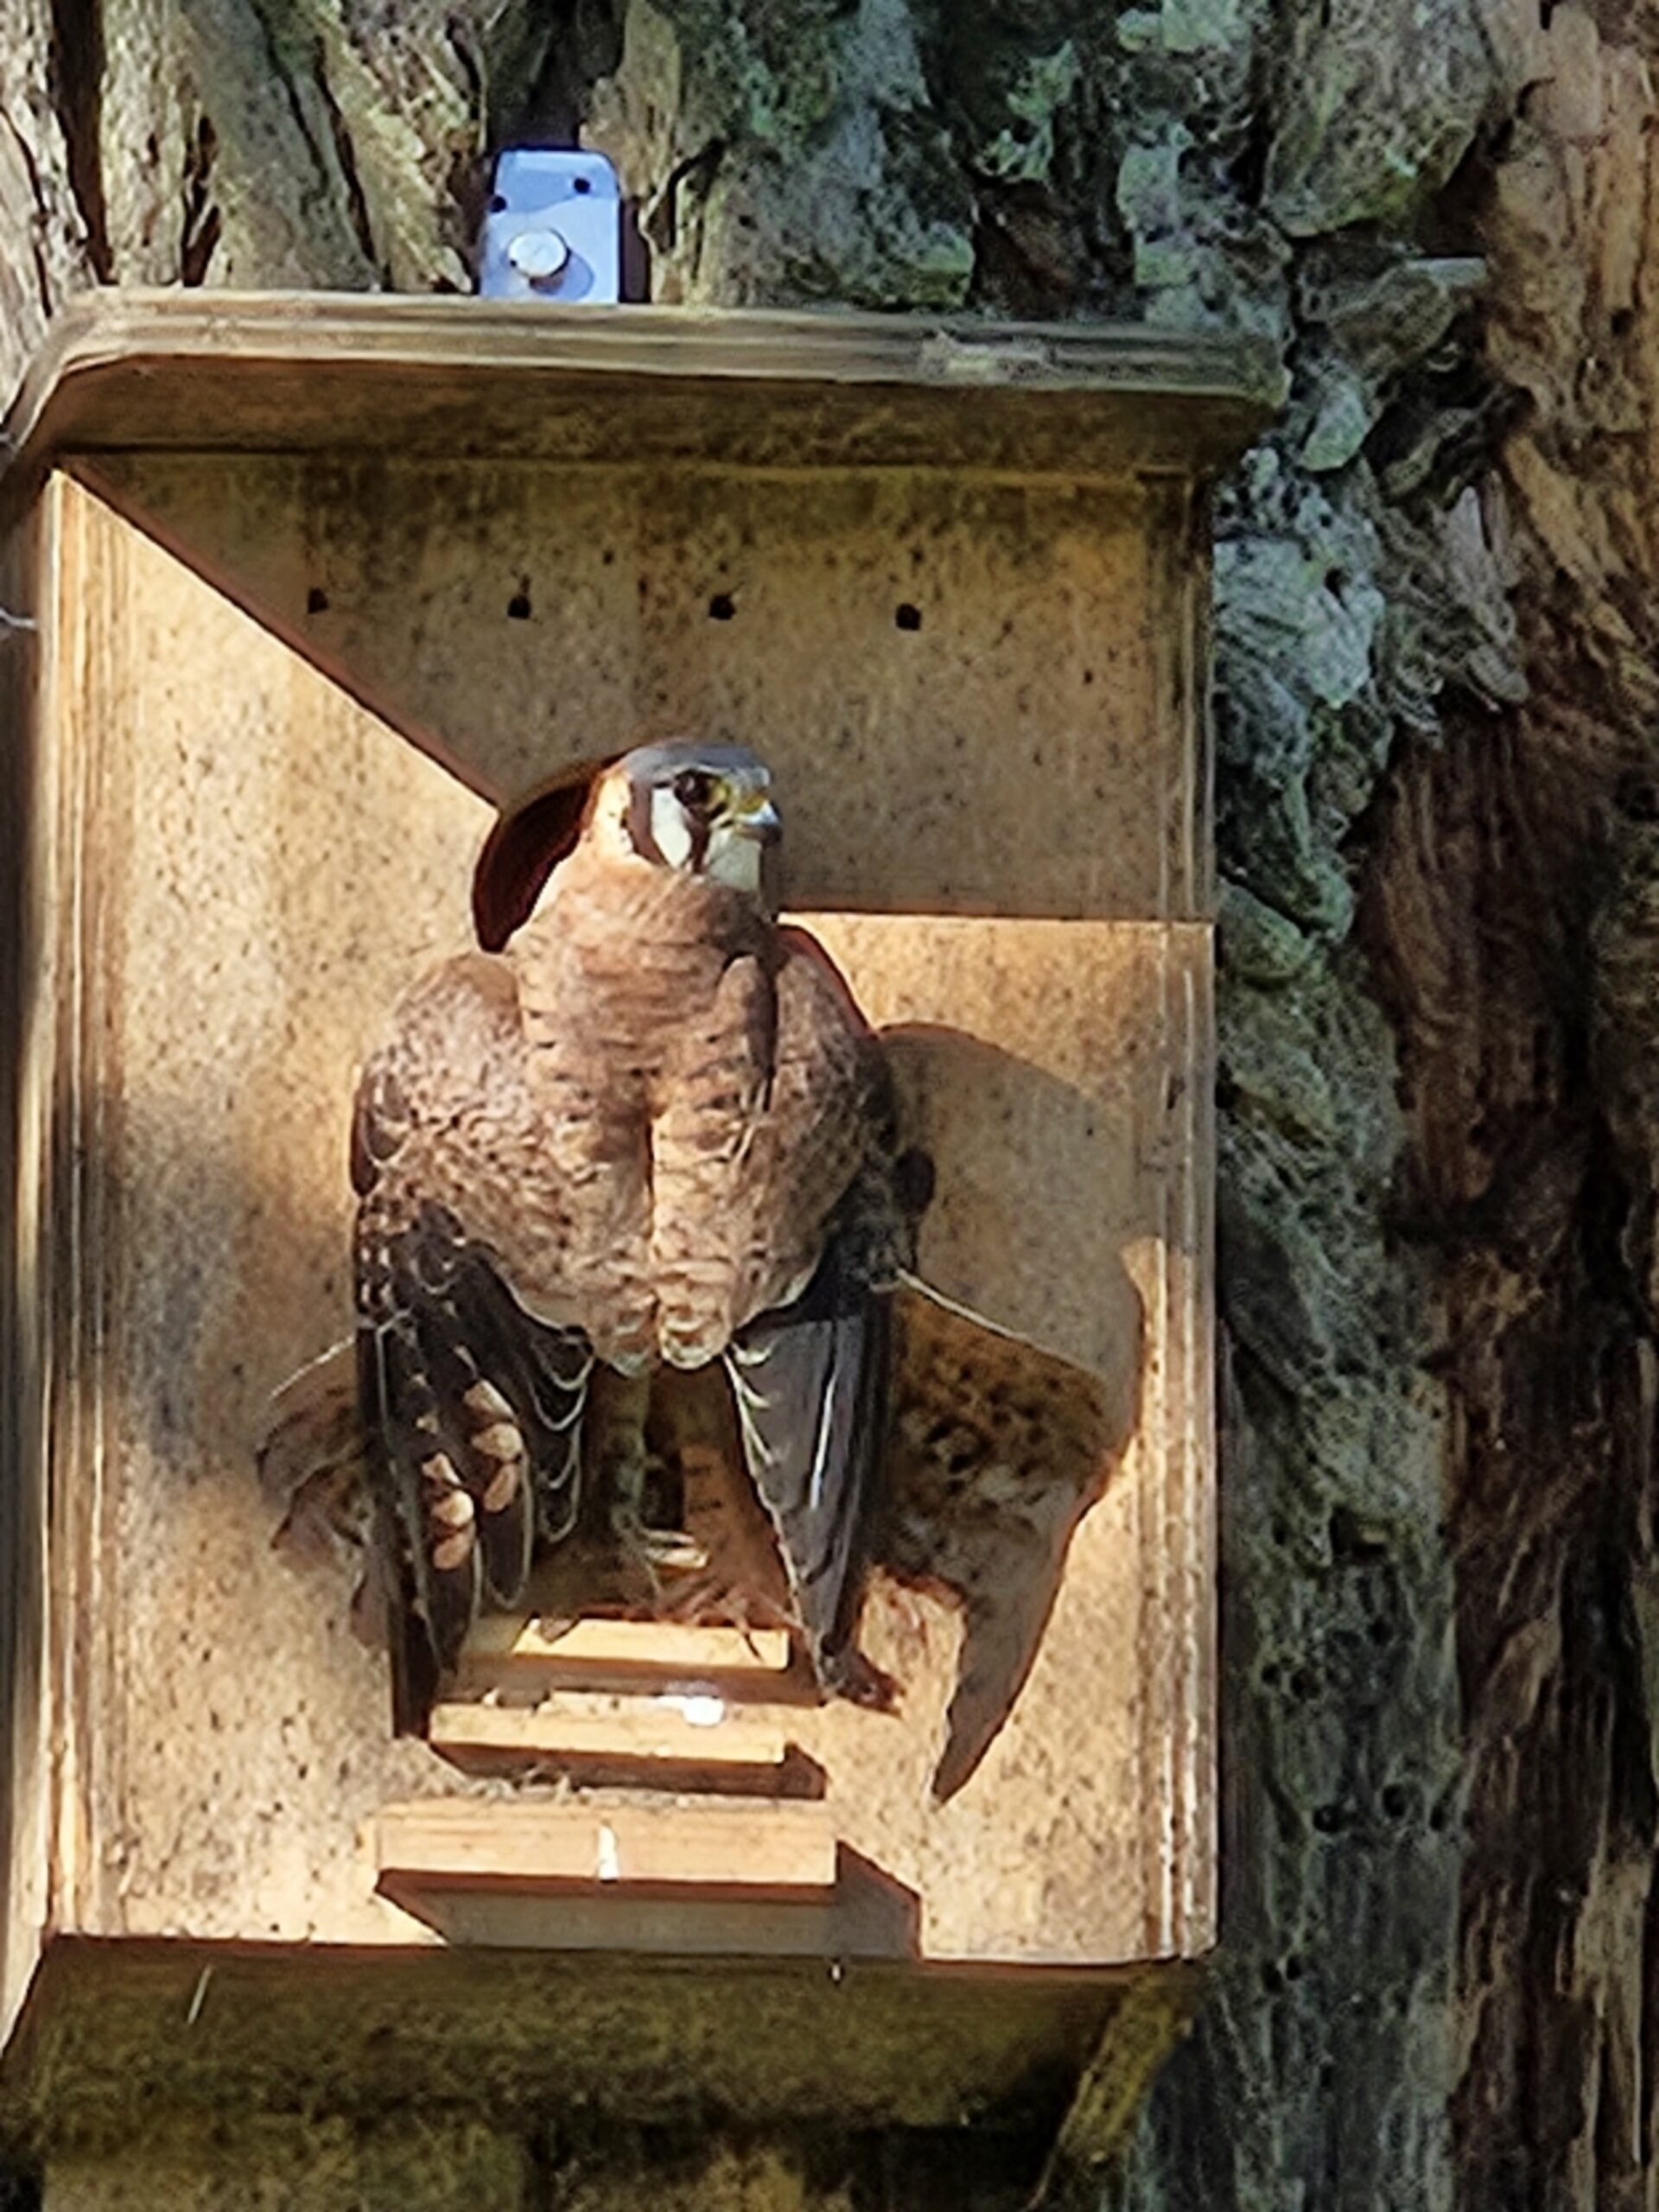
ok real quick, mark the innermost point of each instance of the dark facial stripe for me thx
(639, 824)
(641, 798)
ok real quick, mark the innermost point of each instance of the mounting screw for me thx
(541, 259)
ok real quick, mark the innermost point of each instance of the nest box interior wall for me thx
(960, 681)
(274, 691)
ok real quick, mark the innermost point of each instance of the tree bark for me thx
(1439, 916)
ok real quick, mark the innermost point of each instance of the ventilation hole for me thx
(519, 607)
(497, 204)
(907, 617)
(582, 184)
(316, 601)
(722, 607)
(1327, 1819)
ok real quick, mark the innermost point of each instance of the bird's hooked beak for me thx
(744, 849)
(754, 815)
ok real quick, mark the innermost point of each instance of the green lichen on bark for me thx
(786, 157)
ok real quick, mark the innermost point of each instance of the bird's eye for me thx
(694, 788)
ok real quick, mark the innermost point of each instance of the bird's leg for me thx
(617, 1408)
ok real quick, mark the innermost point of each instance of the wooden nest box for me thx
(312, 582)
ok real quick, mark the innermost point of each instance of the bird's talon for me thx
(653, 1555)
(673, 1552)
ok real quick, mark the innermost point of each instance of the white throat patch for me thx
(733, 859)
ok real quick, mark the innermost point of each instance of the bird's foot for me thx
(650, 1558)
(848, 1674)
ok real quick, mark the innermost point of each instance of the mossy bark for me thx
(1436, 701)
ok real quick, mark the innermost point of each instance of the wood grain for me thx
(778, 1849)
(164, 368)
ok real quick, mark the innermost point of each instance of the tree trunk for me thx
(1436, 691)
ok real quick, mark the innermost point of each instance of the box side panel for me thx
(28, 555)
(1178, 518)
(976, 692)
(91, 588)
(263, 867)
(1177, 1435)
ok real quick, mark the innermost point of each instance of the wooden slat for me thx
(648, 1745)
(675, 1880)
(669, 1648)
(649, 1731)
(771, 1849)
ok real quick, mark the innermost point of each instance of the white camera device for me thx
(554, 230)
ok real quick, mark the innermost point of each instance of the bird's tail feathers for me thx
(810, 1382)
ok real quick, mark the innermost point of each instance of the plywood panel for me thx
(977, 695)
(257, 866)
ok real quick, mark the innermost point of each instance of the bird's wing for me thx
(998, 1449)
(809, 1368)
(471, 1405)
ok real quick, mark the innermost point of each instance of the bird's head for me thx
(700, 810)
(696, 809)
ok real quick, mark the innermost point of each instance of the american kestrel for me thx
(646, 1126)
